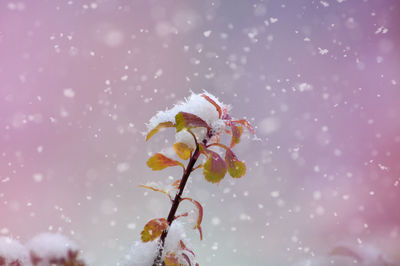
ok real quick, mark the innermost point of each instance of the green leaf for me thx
(236, 168)
(183, 150)
(158, 128)
(187, 121)
(153, 229)
(159, 161)
(236, 134)
(214, 168)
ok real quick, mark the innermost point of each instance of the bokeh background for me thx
(319, 80)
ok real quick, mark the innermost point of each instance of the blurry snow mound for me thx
(347, 255)
(50, 246)
(196, 104)
(13, 251)
(143, 254)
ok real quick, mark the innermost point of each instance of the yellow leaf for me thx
(153, 229)
(158, 127)
(159, 161)
(183, 150)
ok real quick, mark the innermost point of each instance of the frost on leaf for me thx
(159, 161)
(153, 229)
(157, 190)
(205, 96)
(246, 124)
(214, 168)
(199, 215)
(158, 128)
(183, 150)
(185, 120)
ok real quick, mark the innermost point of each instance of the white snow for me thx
(51, 245)
(69, 93)
(11, 250)
(199, 106)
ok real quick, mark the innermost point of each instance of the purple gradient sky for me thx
(321, 83)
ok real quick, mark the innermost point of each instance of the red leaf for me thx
(236, 134)
(213, 103)
(199, 216)
(159, 161)
(187, 121)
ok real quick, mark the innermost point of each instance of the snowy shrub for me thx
(12, 252)
(46, 249)
(199, 121)
(53, 249)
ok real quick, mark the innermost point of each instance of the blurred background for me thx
(318, 79)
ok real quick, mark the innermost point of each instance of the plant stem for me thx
(158, 260)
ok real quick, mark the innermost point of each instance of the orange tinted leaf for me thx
(159, 161)
(214, 168)
(176, 183)
(213, 103)
(199, 216)
(236, 134)
(236, 168)
(157, 190)
(158, 127)
(183, 150)
(171, 259)
(153, 229)
(187, 121)
(246, 124)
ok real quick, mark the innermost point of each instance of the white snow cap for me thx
(11, 250)
(51, 245)
(198, 105)
(143, 254)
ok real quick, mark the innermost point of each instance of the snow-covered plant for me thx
(53, 249)
(46, 249)
(199, 122)
(12, 252)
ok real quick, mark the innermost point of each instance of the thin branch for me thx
(171, 216)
